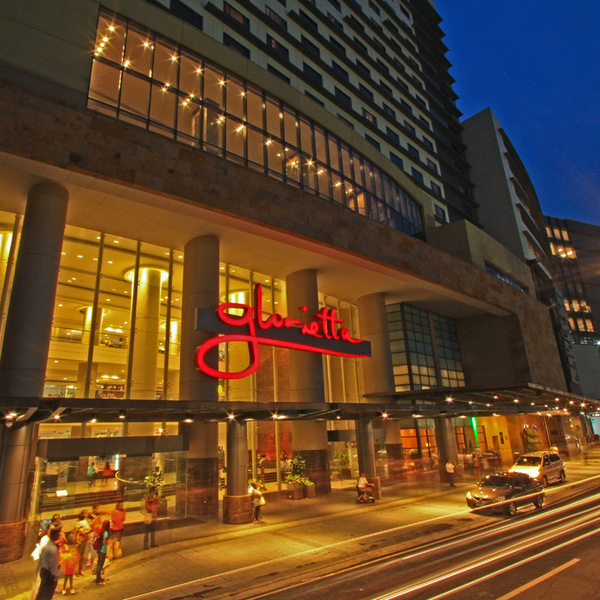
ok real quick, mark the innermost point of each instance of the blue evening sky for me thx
(536, 63)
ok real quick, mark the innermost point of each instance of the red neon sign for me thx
(323, 335)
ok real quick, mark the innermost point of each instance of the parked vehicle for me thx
(547, 467)
(505, 492)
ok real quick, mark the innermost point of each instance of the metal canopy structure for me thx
(447, 402)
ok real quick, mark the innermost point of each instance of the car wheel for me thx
(538, 501)
(511, 509)
(545, 481)
(563, 476)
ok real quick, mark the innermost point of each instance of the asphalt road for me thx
(539, 554)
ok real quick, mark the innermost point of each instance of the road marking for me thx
(534, 582)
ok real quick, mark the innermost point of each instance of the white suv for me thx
(546, 467)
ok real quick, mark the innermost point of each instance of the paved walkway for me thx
(294, 533)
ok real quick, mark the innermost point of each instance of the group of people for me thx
(103, 474)
(71, 552)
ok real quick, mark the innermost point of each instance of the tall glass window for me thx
(425, 349)
(147, 80)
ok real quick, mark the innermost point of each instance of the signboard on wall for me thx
(234, 322)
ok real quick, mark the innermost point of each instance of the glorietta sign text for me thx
(235, 322)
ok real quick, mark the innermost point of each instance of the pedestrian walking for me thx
(262, 461)
(150, 517)
(258, 500)
(91, 473)
(49, 566)
(450, 470)
(82, 533)
(101, 547)
(117, 524)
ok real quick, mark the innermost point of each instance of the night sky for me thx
(536, 63)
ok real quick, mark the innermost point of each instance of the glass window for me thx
(256, 146)
(139, 51)
(162, 106)
(110, 39)
(234, 90)
(190, 76)
(274, 155)
(214, 84)
(320, 144)
(306, 139)
(135, 95)
(104, 84)
(290, 128)
(254, 106)
(213, 126)
(273, 118)
(166, 63)
(334, 156)
(235, 137)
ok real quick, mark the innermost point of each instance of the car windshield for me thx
(494, 481)
(528, 461)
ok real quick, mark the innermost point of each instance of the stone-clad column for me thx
(25, 350)
(309, 439)
(200, 290)
(446, 443)
(237, 502)
(366, 451)
(306, 368)
(378, 369)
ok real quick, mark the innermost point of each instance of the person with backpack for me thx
(100, 545)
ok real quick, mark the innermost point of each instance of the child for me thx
(69, 559)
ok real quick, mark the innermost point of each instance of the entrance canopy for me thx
(450, 402)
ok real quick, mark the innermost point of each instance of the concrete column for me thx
(25, 350)
(200, 290)
(237, 506)
(378, 369)
(306, 368)
(145, 345)
(29, 319)
(309, 439)
(201, 473)
(366, 452)
(446, 442)
(393, 448)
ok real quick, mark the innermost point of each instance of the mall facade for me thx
(236, 235)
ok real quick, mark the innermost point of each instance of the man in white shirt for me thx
(365, 489)
(49, 567)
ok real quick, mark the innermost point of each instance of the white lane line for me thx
(534, 582)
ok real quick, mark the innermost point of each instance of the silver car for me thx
(546, 467)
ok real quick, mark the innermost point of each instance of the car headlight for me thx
(469, 495)
(499, 499)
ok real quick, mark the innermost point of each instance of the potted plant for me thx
(155, 479)
(294, 486)
(298, 485)
(308, 487)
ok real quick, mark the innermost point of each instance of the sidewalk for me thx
(291, 528)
